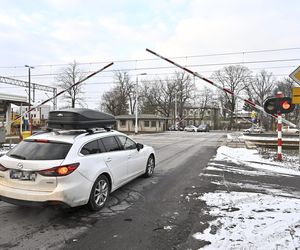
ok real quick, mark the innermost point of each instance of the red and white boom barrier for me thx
(249, 102)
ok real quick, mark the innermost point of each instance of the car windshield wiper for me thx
(18, 156)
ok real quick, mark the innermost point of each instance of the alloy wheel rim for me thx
(150, 165)
(101, 192)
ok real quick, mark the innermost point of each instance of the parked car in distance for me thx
(173, 128)
(254, 130)
(72, 167)
(190, 128)
(203, 128)
(290, 130)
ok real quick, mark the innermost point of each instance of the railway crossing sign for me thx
(295, 75)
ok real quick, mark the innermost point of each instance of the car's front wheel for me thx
(150, 166)
(99, 193)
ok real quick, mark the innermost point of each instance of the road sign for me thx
(295, 75)
(296, 95)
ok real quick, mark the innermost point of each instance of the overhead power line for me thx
(188, 65)
(155, 59)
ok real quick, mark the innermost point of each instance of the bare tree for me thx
(159, 95)
(68, 77)
(285, 86)
(113, 102)
(233, 78)
(126, 89)
(156, 96)
(147, 104)
(121, 97)
(184, 89)
(205, 99)
(259, 89)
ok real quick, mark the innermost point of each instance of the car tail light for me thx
(2, 168)
(60, 170)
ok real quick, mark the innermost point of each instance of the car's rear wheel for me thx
(99, 193)
(150, 166)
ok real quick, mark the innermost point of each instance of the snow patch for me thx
(251, 158)
(251, 221)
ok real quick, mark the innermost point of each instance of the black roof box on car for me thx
(79, 118)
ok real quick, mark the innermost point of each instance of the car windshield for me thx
(33, 150)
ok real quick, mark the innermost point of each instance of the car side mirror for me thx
(139, 146)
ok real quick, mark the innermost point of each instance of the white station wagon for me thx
(72, 167)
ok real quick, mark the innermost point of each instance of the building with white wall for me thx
(38, 115)
(6, 102)
(147, 123)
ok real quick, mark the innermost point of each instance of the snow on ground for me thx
(252, 158)
(252, 221)
(249, 220)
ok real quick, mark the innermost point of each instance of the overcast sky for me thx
(53, 32)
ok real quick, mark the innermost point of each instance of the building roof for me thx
(140, 117)
(14, 99)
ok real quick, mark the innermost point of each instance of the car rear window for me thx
(33, 150)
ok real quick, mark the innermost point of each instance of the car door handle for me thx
(129, 156)
(108, 160)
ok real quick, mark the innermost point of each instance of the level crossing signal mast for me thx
(279, 105)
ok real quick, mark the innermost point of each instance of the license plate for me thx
(22, 175)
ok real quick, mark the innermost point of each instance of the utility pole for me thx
(29, 96)
(33, 92)
(136, 102)
(176, 109)
(279, 130)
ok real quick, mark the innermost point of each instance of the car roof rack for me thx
(98, 130)
(79, 131)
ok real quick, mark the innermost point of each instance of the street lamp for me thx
(29, 94)
(136, 102)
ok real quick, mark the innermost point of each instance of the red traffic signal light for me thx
(278, 105)
(285, 105)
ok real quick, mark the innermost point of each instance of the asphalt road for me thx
(151, 213)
